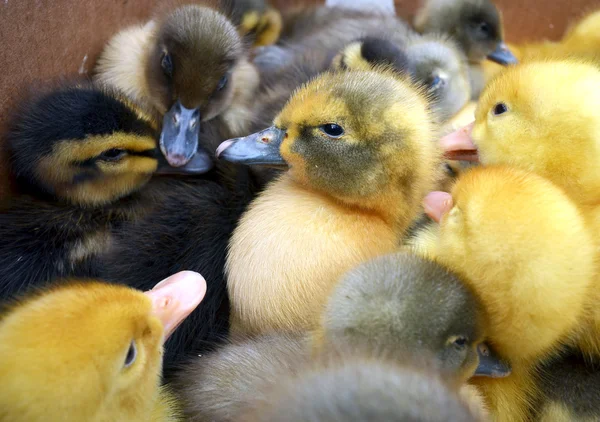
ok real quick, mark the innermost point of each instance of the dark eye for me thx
(484, 28)
(332, 130)
(167, 65)
(131, 355)
(113, 154)
(460, 341)
(222, 83)
(499, 109)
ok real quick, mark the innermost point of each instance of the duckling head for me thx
(83, 145)
(542, 117)
(476, 25)
(362, 138)
(89, 350)
(442, 68)
(369, 52)
(190, 75)
(523, 247)
(406, 305)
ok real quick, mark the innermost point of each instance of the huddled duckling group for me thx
(360, 258)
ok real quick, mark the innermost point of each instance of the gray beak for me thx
(260, 148)
(200, 163)
(502, 55)
(490, 365)
(179, 136)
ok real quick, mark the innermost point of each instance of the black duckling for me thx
(191, 66)
(189, 229)
(476, 25)
(569, 386)
(80, 156)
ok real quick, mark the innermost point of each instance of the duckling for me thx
(157, 65)
(444, 321)
(568, 388)
(409, 305)
(80, 155)
(359, 149)
(476, 25)
(532, 275)
(257, 19)
(358, 389)
(432, 61)
(518, 130)
(54, 368)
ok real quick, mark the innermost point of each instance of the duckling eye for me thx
(113, 154)
(167, 65)
(436, 82)
(332, 130)
(460, 342)
(131, 355)
(500, 108)
(484, 28)
(222, 83)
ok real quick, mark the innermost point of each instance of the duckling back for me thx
(357, 389)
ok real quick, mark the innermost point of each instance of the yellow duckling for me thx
(359, 149)
(521, 122)
(86, 351)
(522, 245)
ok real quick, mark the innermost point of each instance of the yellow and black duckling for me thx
(84, 351)
(84, 158)
(476, 25)
(569, 389)
(358, 388)
(360, 155)
(190, 65)
(80, 156)
(257, 19)
(523, 247)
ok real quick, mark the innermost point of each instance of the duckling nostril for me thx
(265, 140)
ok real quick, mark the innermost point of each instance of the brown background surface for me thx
(46, 39)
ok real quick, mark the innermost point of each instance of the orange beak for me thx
(459, 145)
(174, 298)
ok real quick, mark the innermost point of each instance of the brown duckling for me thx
(359, 149)
(158, 64)
(85, 351)
(523, 246)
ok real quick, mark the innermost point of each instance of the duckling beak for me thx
(502, 55)
(174, 298)
(260, 148)
(179, 136)
(459, 145)
(490, 365)
(200, 163)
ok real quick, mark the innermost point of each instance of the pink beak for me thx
(174, 298)
(436, 204)
(459, 145)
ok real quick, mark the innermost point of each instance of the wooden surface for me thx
(45, 39)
